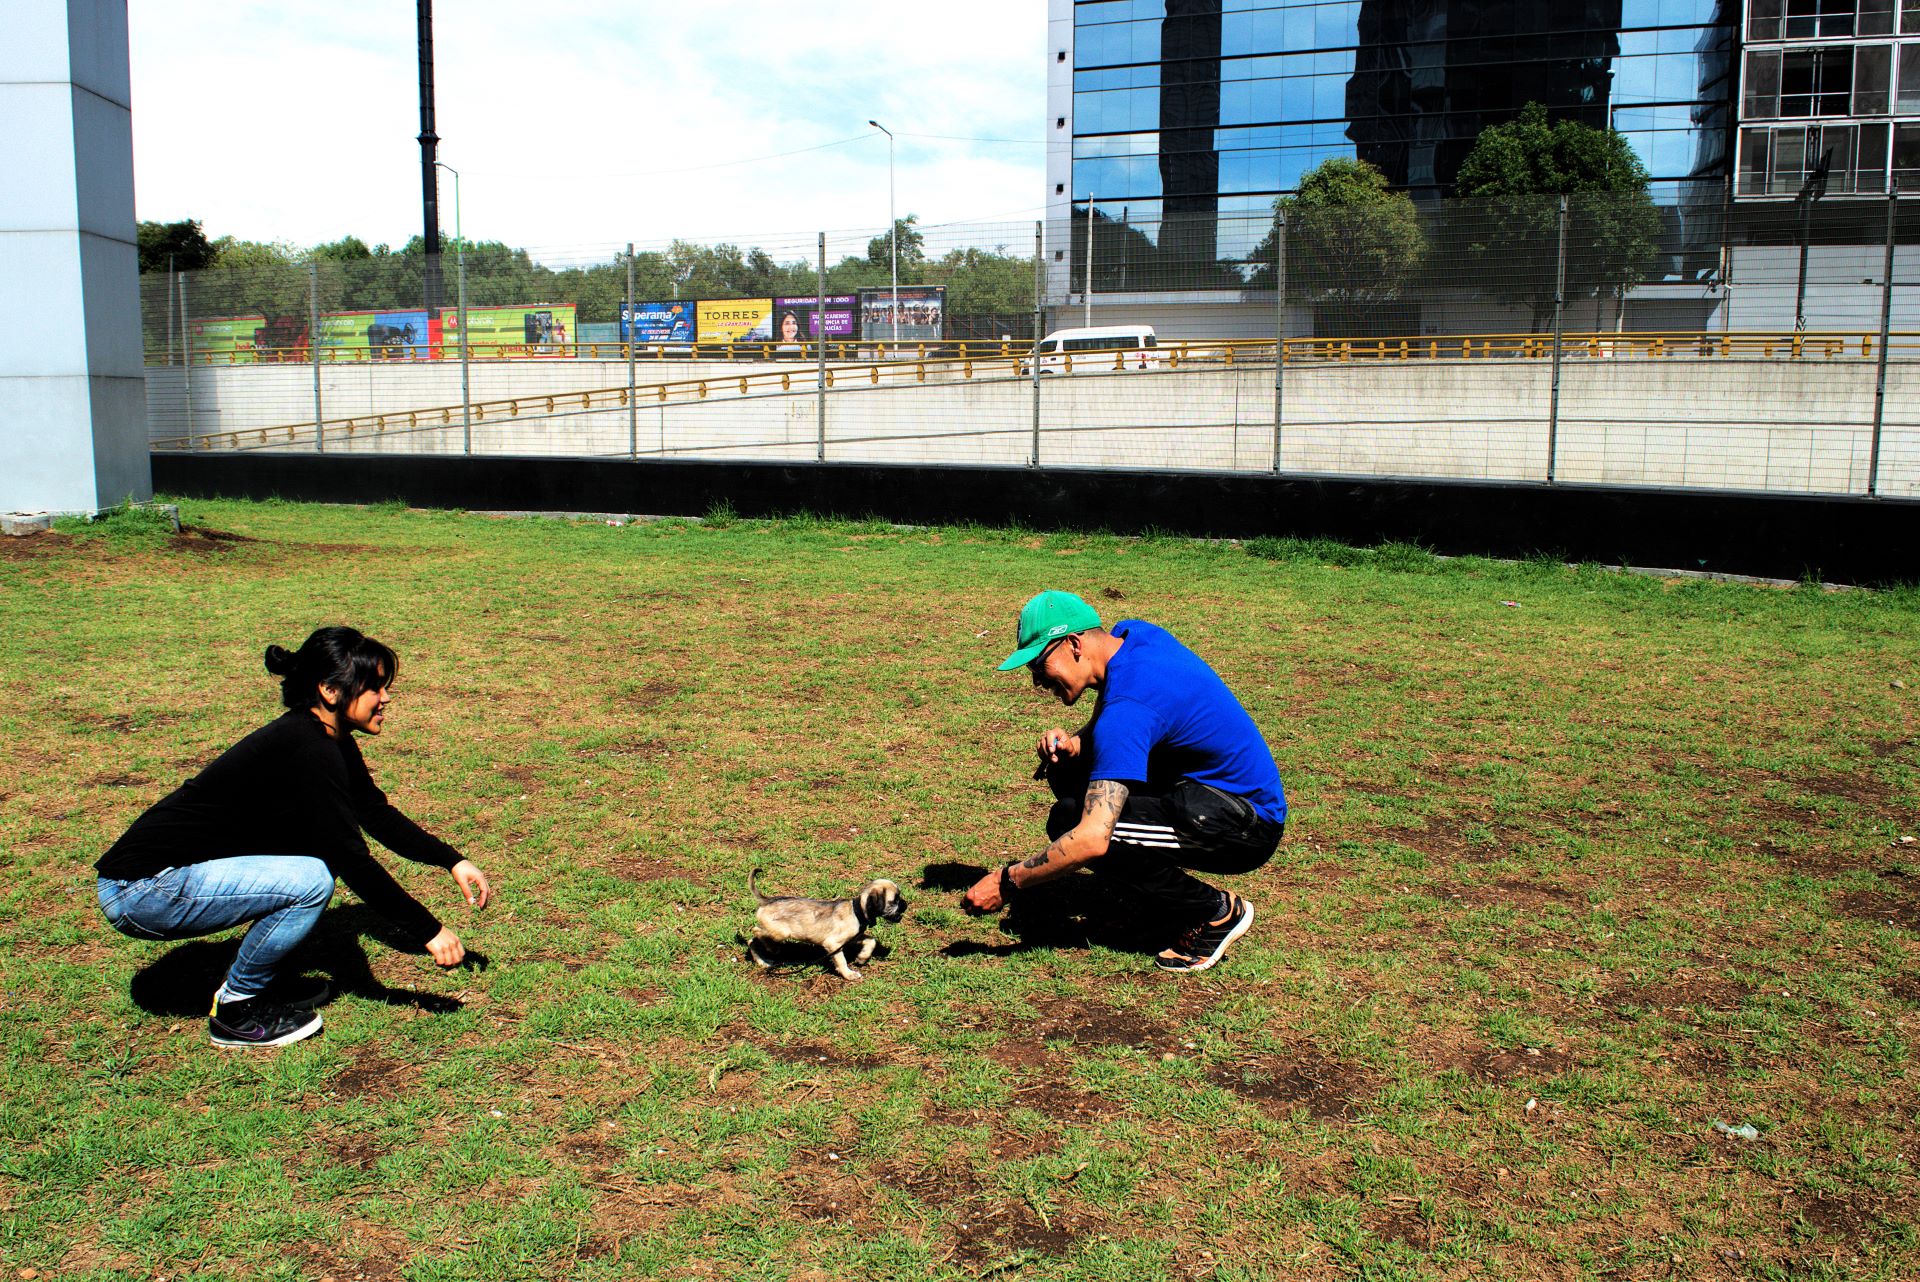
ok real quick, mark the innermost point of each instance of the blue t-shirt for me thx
(1164, 715)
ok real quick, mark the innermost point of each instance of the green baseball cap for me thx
(1044, 620)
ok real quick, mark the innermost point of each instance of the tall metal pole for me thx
(893, 225)
(186, 357)
(1086, 294)
(429, 178)
(1886, 322)
(1039, 324)
(466, 357)
(169, 309)
(820, 376)
(460, 257)
(1559, 301)
(1279, 331)
(313, 350)
(633, 399)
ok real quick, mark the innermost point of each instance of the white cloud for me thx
(576, 129)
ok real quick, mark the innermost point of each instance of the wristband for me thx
(1006, 884)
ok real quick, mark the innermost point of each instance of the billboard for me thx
(223, 340)
(670, 322)
(380, 336)
(923, 313)
(735, 320)
(538, 329)
(798, 319)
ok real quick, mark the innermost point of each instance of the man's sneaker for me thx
(258, 1022)
(1206, 944)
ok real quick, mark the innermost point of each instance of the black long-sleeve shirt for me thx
(289, 788)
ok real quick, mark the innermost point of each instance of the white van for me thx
(1091, 349)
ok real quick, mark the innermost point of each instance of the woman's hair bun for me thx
(279, 660)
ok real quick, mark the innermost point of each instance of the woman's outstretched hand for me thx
(473, 883)
(445, 948)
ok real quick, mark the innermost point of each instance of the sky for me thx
(579, 127)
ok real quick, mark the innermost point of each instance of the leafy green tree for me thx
(1508, 223)
(180, 247)
(982, 282)
(1353, 244)
(913, 247)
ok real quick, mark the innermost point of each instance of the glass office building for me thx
(1835, 81)
(1188, 117)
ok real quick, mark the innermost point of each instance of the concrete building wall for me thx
(72, 391)
(1792, 426)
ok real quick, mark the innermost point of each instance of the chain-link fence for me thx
(1592, 338)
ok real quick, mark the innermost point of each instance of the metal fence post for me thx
(633, 397)
(1039, 322)
(466, 350)
(1559, 301)
(1279, 331)
(820, 377)
(1886, 322)
(186, 358)
(313, 351)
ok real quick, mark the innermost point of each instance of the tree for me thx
(1352, 245)
(1514, 176)
(180, 247)
(912, 246)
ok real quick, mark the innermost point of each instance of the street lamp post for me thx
(893, 231)
(460, 261)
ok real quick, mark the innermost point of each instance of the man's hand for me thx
(984, 895)
(445, 948)
(473, 884)
(1057, 743)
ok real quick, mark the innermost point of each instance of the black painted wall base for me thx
(1846, 540)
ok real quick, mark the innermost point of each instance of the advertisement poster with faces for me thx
(797, 320)
(923, 313)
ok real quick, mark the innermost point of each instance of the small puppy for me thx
(834, 926)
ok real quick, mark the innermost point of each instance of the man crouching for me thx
(1169, 774)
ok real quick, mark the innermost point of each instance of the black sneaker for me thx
(258, 1022)
(1206, 944)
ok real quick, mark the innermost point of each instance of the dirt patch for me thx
(640, 749)
(1298, 1078)
(817, 1054)
(1450, 838)
(1872, 905)
(1905, 986)
(526, 778)
(1860, 789)
(1841, 1219)
(372, 1073)
(1683, 990)
(1512, 892)
(652, 695)
(641, 868)
(1884, 748)
(1404, 1225)
(118, 781)
(27, 547)
(362, 1255)
(1063, 1104)
(205, 542)
(1493, 1063)
(355, 1151)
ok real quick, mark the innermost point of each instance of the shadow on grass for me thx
(1075, 912)
(182, 980)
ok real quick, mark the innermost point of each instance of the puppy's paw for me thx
(850, 973)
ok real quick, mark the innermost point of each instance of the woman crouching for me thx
(259, 836)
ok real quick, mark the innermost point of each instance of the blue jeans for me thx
(283, 895)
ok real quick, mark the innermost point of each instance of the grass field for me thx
(1578, 863)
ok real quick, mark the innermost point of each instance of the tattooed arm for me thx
(1086, 841)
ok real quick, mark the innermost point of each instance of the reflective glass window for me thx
(1661, 77)
(1906, 156)
(1104, 11)
(1910, 17)
(1763, 18)
(1907, 98)
(1113, 177)
(1763, 84)
(1876, 18)
(1755, 161)
(1816, 82)
(1668, 13)
(1870, 159)
(1810, 19)
(1872, 79)
(1116, 111)
(1141, 77)
(1116, 42)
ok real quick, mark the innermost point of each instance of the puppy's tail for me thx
(753, 884)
